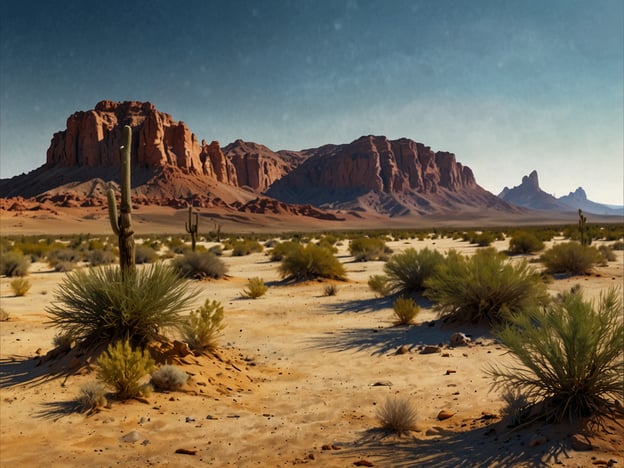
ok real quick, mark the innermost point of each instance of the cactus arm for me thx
(125, 204)
(112, 211)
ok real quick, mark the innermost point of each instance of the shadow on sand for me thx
(32, 371)
(478, 447)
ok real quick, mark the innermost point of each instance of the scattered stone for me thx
(450, 371)
(132, 437)
(403, 350)
(446, 354)
(580, 443)
(189, 419)
(431, 349)
(445, 414)
(330, 447)
(184, 451)
(460, 339)
(382, 383)
(363, 463)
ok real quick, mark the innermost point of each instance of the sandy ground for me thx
(300, 379)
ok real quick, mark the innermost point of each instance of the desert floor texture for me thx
(297, 380)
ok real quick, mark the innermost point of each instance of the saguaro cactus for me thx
(122, 224)
(584, 229)
(191, 227)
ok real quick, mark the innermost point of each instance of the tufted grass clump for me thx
(408, 271)
(202, 327)
(484, 287)
(309, 262)
(5, 316)
(20, 286)
(255, 288)
(98, 306)
(199, 265)
(570, 357)
(570, 258)
(330, 290)
(14, 264)
(92, 396)
(169, 377)
(124, 368)
(405, 311)
(398, 415)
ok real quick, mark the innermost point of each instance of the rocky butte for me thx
(171, 166)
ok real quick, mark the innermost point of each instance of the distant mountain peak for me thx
(531, 180)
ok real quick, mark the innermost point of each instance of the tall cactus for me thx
(583, 228)
(191, 227)
(122, 224)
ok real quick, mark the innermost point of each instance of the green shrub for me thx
(369, 248)
(20, 286)
(245, 247)
(405, 311)
(570, 354)
(99, 307)
(144, 254)
(282, 249)
(199, 265)
(14, 264)
(397, 415)
(255, 288)
(523, 242)
(486, 286)
(123, 368)
(100, 257)
(169, 377)
(202, 327)
(407, 271)
(216, 250)
(92, 396)
(379, 285)
(571, 258)
(309, 262)
(483, 239)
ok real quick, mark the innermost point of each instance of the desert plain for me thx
(297, 380)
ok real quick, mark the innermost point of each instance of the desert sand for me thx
(298, 380)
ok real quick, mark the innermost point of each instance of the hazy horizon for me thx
(509, 87)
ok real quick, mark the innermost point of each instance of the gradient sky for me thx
(508, 86)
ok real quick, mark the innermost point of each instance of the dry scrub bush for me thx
(571, 258)
(100, 257)
(169, 377)
(486, 286)
(123, 368)
(330, 290)
(408, 271)
(397, 415)
(20, 286)
(92, 396)
(199, 265)
(144, 254)
(244, 247)
(571, 356)
(98, 306)
(405, 311)
(14, 264)
(5, 316)
(282, 249)
(309, 262)
(63, 260)
(201, 329)
(255, 288)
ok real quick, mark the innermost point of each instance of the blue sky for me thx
(508, 86)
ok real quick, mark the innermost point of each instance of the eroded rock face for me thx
(92, 138)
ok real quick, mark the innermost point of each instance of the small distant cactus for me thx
(584, 228)
(191, 227)
(122, 224)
